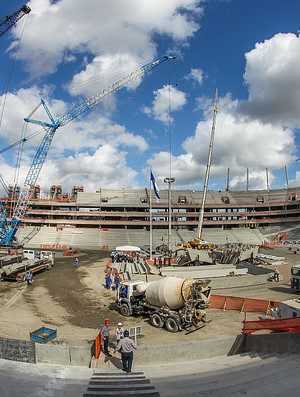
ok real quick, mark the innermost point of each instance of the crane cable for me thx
(17, 168)
(11, 74)
(21, 143)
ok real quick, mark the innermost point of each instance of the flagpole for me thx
(150, 215)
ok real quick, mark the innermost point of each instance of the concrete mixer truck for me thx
(171, 302)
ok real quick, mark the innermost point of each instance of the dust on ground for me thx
(74, 301)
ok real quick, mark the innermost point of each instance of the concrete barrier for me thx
(53, 353)
(80, 355)
(184, 351)
(272, 343)
(63, 353)
(17, 350)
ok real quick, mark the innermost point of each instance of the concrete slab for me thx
(211, 272)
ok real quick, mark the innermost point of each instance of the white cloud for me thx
(257, 180)
(272, 75)
(240, 142)
(106, 166)
(184, 168)
(196, 75)
(102, 72)
(256, 133)
(166, 98)
(57, 30)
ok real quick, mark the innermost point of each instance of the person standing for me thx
(127, 347)
(119, 332)
(29, 277)
(105, 332)
(117, 280)
(108, 280)
(276, 275)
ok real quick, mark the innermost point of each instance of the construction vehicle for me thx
(295, 277)
(9, 227)
(174, 303)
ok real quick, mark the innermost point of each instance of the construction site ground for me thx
(74, 301)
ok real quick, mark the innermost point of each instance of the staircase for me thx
(30, 235)
(117, 383)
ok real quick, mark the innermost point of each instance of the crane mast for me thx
(8, 22)
(208, 166)
(10, 228)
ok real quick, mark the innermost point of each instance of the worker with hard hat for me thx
(119, 332)
(105, 333)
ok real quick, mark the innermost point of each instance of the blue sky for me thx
(248, 50)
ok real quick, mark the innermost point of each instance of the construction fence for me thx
(241, 304)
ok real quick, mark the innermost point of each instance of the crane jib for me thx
(9, 229)
(8, 22)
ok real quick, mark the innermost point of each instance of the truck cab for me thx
(295, 277)
(130, 297)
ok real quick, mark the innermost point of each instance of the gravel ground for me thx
(74, 301)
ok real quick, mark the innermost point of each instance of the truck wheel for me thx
(156, 320)
(171, 324)
(124, 310)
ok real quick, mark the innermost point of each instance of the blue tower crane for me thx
(8, 228)
(8, 22)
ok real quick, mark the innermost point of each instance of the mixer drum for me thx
(169, 291)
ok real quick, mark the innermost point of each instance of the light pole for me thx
(169, 181)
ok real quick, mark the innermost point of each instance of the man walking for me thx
(127, 347)
(105, 337)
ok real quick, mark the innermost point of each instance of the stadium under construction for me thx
(110, 217)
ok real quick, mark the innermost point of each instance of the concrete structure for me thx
(80, 355)
(121, 216)
(252, 375)
(281, 343)
(50, 237)
(203, 271)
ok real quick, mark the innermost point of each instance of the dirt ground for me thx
(74, 301)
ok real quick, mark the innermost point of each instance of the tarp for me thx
(128, 248)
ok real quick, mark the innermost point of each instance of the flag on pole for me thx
(154, 184)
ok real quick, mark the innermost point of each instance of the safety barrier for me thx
(97, 346)
(271, 244)
(279, 325)
(241, 304)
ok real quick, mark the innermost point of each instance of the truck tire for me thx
(124, 310)
(156, 320)
(171, 324)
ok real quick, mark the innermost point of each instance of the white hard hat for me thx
(120, 324)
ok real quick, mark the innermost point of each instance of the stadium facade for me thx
(110, 217)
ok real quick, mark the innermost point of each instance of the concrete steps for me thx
(117, 383)
(92, 238)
